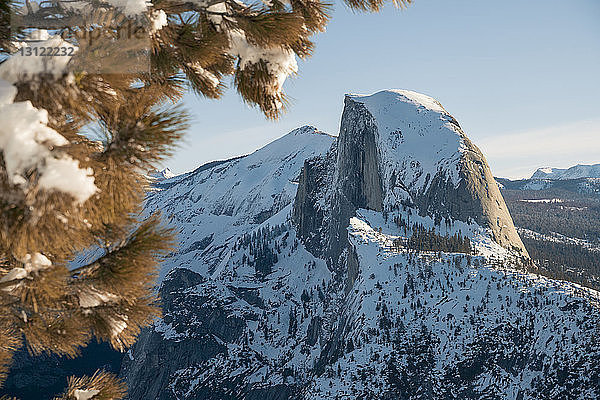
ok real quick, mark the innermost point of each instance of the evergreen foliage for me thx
(562, 236)
(575, 215)
(423, 239)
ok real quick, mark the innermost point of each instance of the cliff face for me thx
(358, 164)
(295, 278)
(486, 204)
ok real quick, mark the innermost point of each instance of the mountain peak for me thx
(359, 254)
(415, 130)
(391, 97)
(161, 175)
(307, 130)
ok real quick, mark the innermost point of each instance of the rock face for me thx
(358, 161)
(159, 359)
(482, 200)
(378, 265)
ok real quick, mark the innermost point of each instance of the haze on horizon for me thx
(521, 79)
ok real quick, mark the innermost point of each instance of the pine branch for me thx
(136, 255)
(375, 5)
(257, 86)
(100, 386)
(9, 343)
(111, 298)
(146, 136)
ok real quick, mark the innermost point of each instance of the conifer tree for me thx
(77, 140)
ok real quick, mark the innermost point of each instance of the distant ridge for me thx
(576, 172)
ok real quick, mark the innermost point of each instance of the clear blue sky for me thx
(521, 77)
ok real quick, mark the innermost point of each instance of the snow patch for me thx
(32, 263)
(26, 142)
(131, 7)
(575, 172)
(546, 201)
(159, 20)
(85, 394)
(91, 297)
(29, 64)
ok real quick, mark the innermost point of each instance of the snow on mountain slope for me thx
(397, 150)
(157, 176)
(313, 269)
(431, 326)
(211, 206)
(575, 172)
(584, 186)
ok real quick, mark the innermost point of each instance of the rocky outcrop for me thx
(333, 187)
(383, 161)
(178, 342)
(309, 209)
(488, 208)
(476, 198)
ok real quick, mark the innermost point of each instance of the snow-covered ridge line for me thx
(559, 238)
(575, 172)
(234, 195)
(168, 178)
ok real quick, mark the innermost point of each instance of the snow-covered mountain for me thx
(381, 264)
(161, 175)
(583, 186)
(576, 172)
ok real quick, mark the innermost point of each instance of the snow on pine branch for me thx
(85, 394)
(131, 7)
(26, 142)
(281, 62)
(90, 297)
(29, 62)
(159, 20)
(31, 264)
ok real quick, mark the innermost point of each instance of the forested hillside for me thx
(560, 226)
